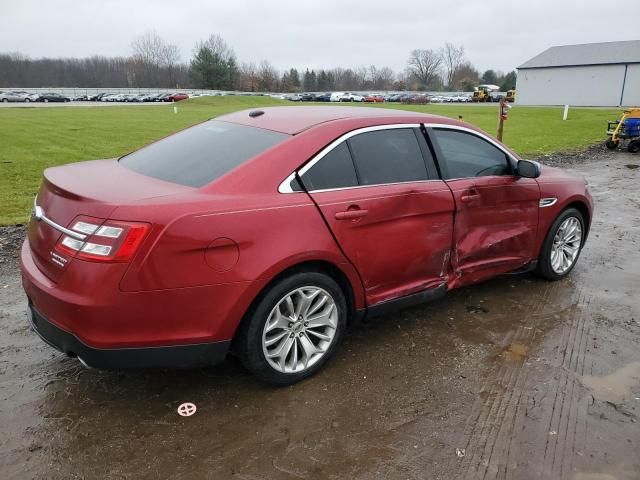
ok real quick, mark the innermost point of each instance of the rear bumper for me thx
(177, 356)
(87, 315)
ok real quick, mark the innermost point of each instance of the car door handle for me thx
(352, 214)
(470, 198)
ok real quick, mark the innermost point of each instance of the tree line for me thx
(156, 63)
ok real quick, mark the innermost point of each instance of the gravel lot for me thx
(514, 378)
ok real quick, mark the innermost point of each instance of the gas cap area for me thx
(222, 254)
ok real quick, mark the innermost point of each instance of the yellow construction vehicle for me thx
(511, 95)
(481, 95)
(627, 128)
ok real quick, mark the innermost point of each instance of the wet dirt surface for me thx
(515, 378)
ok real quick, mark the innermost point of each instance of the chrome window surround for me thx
(285, 186)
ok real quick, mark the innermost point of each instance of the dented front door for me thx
(495, 226)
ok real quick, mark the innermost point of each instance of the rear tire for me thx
(634, 146)
(558, 257)
(273, 326)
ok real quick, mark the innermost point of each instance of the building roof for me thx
(295, 119)
(586, 54)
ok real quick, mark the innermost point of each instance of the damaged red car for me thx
(268, 233)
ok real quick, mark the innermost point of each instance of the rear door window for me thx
(198, 155)
(388, 156)
(334, 170)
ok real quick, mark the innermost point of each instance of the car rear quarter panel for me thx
(245, 241)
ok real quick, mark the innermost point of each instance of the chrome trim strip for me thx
(374, 185)
(547, 202)
(285, 186)
(38, 214)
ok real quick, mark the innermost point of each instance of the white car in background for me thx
(18, 96)
(346, 97)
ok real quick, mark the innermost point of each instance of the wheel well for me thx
(321, 266)
(582, 208)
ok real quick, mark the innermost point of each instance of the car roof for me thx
(292, 120)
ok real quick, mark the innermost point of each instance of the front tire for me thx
(610, 144)
(634, 146)
(293, 329)
(562, 246)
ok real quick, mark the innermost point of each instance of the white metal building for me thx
(591, 74)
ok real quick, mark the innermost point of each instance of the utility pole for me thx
(503, 111)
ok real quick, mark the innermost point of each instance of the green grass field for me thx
(32, 139)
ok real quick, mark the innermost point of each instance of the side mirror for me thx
(528, 169)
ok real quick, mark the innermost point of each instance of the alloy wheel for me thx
(300, 329)
(566, 245)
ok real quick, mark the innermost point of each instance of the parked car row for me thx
(137, 97)
(27, 97)
(416, 98)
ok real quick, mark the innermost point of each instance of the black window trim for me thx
(286, 185)
(439, 156)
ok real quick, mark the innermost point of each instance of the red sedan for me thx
(269, 232)
(373, 99)
(176, 97)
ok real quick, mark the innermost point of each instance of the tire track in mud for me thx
(568, 409)
(492, 419)
(518, 432)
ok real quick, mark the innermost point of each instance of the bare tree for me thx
(148, 55)
(248, 77)
(452, 58)
(425, 66)
(267, 77)
(170, 59)
(465, 77)
(148, 47)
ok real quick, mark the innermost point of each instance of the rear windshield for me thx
(200, 154)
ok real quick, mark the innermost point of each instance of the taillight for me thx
(102, 240)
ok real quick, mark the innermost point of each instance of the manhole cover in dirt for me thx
(186, 409)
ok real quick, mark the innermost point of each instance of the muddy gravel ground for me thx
(514, 378)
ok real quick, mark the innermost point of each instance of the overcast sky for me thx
(313, 33)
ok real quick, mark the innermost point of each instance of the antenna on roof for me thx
(255, 113)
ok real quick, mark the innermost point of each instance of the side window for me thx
(388, 156)
(467, 155)
(334, 170)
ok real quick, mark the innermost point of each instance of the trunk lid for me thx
(95, 188)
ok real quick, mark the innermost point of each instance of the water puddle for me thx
(615, 387)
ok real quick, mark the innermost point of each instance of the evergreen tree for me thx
(509, 81)
(489, 77)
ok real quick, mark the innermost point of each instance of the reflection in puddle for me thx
(615, 387)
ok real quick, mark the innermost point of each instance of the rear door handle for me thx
(352, 214)
(470, 198)
(470, 195)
